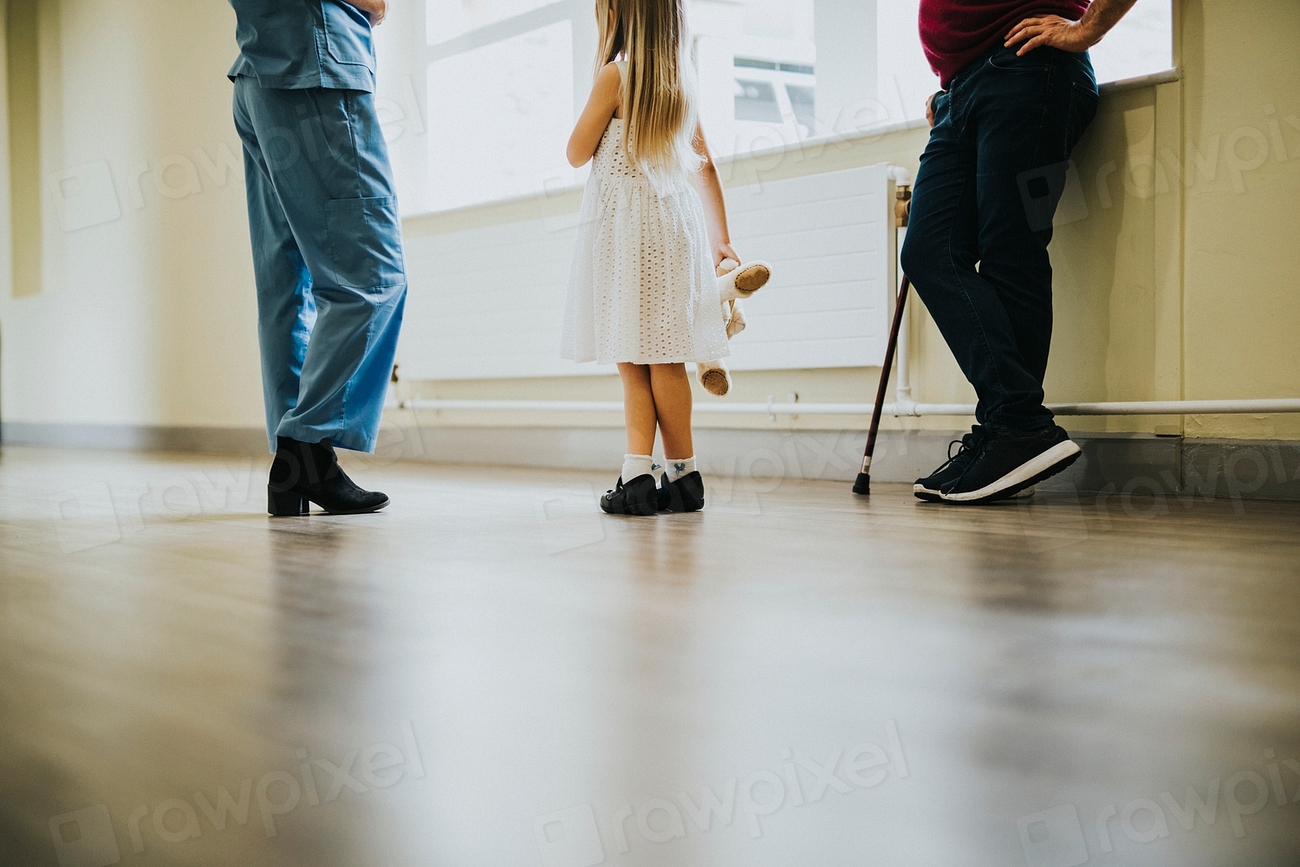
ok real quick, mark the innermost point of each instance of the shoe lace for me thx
(968, 446)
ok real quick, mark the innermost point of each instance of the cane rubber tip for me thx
(863, 485)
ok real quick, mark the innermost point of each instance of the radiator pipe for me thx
(915, 410)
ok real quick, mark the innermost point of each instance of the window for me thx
(1141, 44)
(447, 19)
(758, 50)
(514, 99)
(756, 101)
(507, 78)
(774, 100)
(803, 102)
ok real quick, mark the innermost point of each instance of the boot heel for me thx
(286, 504)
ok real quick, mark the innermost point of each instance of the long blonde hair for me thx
(659, 88)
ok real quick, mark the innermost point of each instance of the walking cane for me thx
(863, 484)
(902, 216)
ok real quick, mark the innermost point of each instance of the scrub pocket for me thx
(365, 242)
(347, 35)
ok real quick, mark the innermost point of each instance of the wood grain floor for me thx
(493, 673)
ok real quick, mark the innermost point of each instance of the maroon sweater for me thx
(955, 33)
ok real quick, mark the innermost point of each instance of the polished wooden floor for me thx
(492, 673)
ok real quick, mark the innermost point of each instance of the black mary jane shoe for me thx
(305, 473)
(637, 497)
(684, 495)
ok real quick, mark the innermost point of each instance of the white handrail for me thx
(786, 408)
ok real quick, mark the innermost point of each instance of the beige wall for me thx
(1175, 283)
(24, 140)
(147, 318)
(1242, 273)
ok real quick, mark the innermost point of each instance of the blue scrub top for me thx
(300, 44)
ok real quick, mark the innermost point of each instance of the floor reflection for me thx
(491, 665)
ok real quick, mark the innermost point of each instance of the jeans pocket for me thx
(364, 238)
(1083, 108)
(1006, 60)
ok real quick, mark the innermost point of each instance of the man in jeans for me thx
(1018, 92)
(327, 245)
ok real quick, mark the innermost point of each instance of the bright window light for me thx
(505, 113)
(449, 19)
(506, 79)
(1141, 44)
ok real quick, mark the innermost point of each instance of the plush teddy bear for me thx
(735, 283)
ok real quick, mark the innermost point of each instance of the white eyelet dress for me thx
(642, 288)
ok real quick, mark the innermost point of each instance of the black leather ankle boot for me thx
(305, 473)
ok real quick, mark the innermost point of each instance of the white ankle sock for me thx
(637, 465)
(680, 467)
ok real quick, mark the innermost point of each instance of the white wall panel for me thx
(488, 303)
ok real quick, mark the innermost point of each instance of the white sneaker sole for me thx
(933, 496)
(1048, 464)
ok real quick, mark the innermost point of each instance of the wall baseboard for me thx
(143, 438)
(1116, 463)
(1247, 469)
(901, 456)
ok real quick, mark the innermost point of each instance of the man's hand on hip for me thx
(1051, 30)
(1076, 36)
(375, 10)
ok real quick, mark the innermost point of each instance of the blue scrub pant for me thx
(327, 257)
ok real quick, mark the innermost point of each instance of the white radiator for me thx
(487, 303)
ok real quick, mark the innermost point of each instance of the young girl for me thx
(643, 292)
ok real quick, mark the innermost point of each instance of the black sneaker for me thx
(930, 488)
(1009, 463)
(637, 497)
(684, 495)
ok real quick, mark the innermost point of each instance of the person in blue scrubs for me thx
(327, 245)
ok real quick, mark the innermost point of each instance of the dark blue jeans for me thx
(976, 250)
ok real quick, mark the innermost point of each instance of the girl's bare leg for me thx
(673, 405)
(639, 408)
